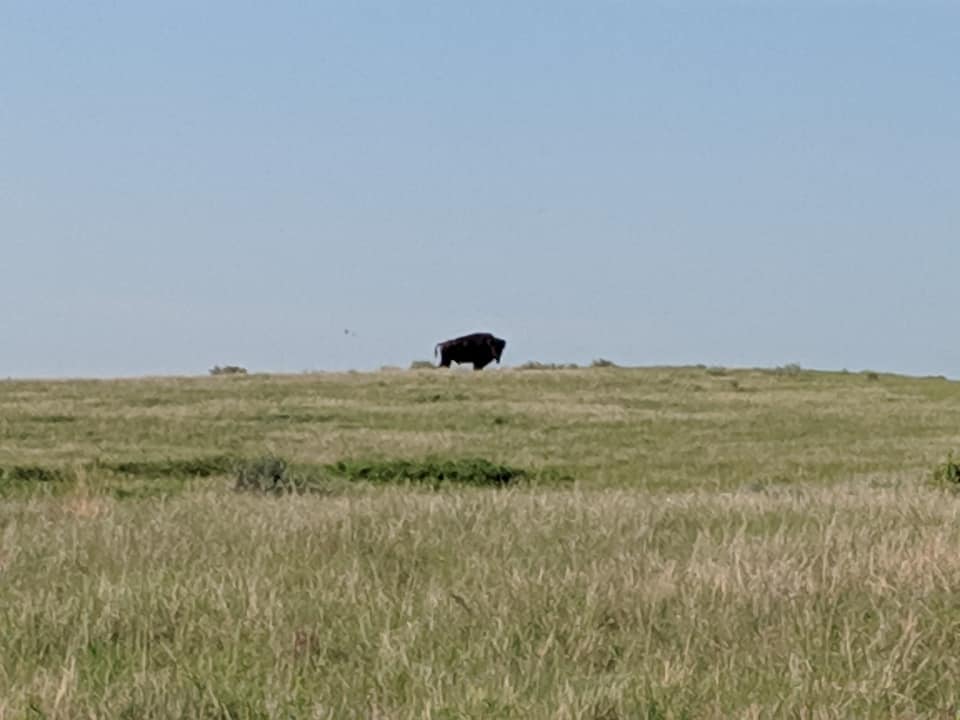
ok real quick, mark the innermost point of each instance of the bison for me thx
(478, 348)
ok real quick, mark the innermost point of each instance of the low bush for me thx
(422, 365)
(947, 473)
(788, 369)
(228, 370)
(533, 365)
(273, 476)
(603, 363)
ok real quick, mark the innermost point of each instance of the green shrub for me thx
(422, 365)
(947, 473)
(603, 363)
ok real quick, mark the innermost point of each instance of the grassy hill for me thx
(685, 542)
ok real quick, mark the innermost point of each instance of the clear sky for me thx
(184, 184)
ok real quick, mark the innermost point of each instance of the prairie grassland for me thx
(735, 544)
(642, 428)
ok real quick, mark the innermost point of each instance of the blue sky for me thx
(186, 184)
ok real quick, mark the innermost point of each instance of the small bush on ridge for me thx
(534, 365)
(228, 370)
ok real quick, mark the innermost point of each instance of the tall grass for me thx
(770, 549)
(788, 602)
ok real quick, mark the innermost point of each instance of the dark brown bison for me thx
(478, 348)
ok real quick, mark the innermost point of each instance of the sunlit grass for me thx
(772, 548)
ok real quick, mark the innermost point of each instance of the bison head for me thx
(497, 345)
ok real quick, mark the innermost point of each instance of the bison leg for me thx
(480, 364)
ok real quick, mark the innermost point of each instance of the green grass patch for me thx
(22, 480)
(186, 467)
(52, 419)
(274, 475)
(31, 474)
(431, 471)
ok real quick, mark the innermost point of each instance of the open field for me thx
(691, 542)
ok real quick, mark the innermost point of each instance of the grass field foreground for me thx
(733, 544)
